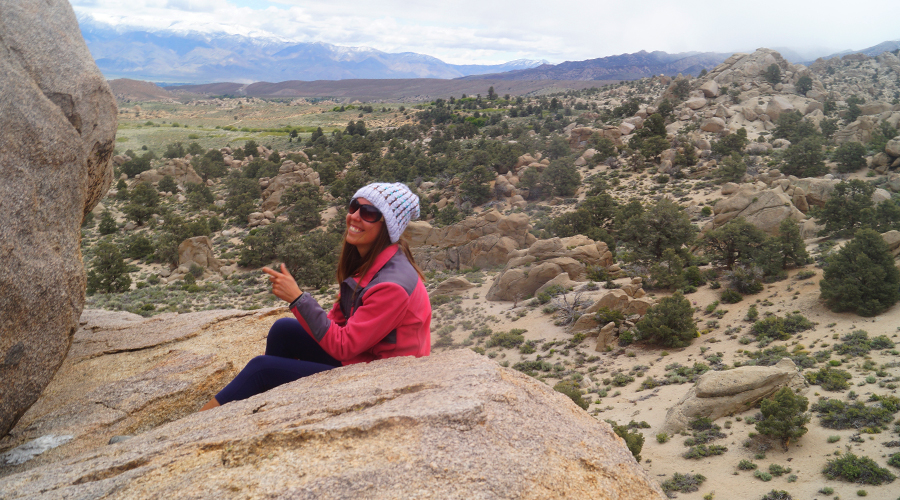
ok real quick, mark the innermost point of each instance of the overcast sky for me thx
(470, 31)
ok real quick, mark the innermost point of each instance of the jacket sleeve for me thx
(383, 308)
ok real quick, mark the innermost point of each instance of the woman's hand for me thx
(283, 285)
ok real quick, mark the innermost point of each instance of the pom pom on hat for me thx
(395, 201)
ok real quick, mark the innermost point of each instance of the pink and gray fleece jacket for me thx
(389, 316)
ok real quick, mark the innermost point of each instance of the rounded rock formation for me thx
(58, 135)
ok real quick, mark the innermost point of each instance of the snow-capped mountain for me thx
(209, 53)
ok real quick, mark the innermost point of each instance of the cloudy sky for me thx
(470, 31)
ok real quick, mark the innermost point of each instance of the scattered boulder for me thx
(764, 209)
(721, 393)
(197, 250)
(58, 134)
(444, 426)
(714, 125)
(180, 169)
(453, 286)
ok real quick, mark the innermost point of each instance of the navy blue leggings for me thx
(291, 353)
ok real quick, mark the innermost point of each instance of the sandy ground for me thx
(806, 457)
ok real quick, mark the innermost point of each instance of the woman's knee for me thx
(283, 329)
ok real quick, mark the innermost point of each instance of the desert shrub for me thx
(853, 469)
(510, 339)
(532, 367)
(831, 379)
(836, 414)
(684, 483)
(763, 476)
(745, 279)
(606, 315)
(669, 323)
(634, 440)
(573, 390)
(784, 416)
(778, 470)
(777, 495)
(745, 464)
(857, 343)
(772, 74)
(703, 451)
(861, 277)
(772, 355)
(621, 379)
(894, 460)
(662, 437)
(678, 374)
(777, 328)
(731, 296)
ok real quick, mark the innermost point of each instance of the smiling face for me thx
(360, 233)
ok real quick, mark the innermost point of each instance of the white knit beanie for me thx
(395, 201)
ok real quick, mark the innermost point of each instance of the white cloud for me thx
(470, 31)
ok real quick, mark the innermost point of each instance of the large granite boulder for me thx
(452, 425)
(764, 209)
(721, 393)
(289, 174)
(481, 241)
(198, 250)
(529, 269)
(57, 135)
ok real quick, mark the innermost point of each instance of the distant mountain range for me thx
(621, 67)
(191, 56)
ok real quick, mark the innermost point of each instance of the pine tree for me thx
(670, 323)
(109, 273)
(784, 416)
(107, 223)
(861, 277)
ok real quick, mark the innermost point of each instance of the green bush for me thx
(894, 460)
(836, 414)
(831, 379)
(684, 483)
(764, 476)
(634, 440)
(606, 315)
(745, 464)
(573, 390)
(510, 340)
(777, 328)
(861, 277)
(857, 343)
(784, 416)
(532, 367)
(850, 157)
(109, 273)
(669, 323)
(703, 451)
(853, 469)
(107, 223)
(777, 495)
(731, 296)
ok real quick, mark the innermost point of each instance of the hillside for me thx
(555, 226)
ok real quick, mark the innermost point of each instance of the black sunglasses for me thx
(367, 213)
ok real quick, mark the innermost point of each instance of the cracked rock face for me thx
(452, 425)
(57, 135)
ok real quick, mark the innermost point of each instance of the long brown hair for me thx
(351, 263)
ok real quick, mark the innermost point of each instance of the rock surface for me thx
(57, 135)
(453, 425)
(481, 241)
(721, 393)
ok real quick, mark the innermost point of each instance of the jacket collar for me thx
(380, 261)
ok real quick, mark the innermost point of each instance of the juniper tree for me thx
(784, 416)
(861, 277)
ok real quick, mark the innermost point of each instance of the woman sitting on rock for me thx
(382, 311)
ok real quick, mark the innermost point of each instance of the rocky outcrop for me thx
(289, 174)
(197, 250)
(57, 136)
(481, 241)
(721, 393)
(529, 269)
(454, 285)
(179, 169)
(764, 209)
(452, 425)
